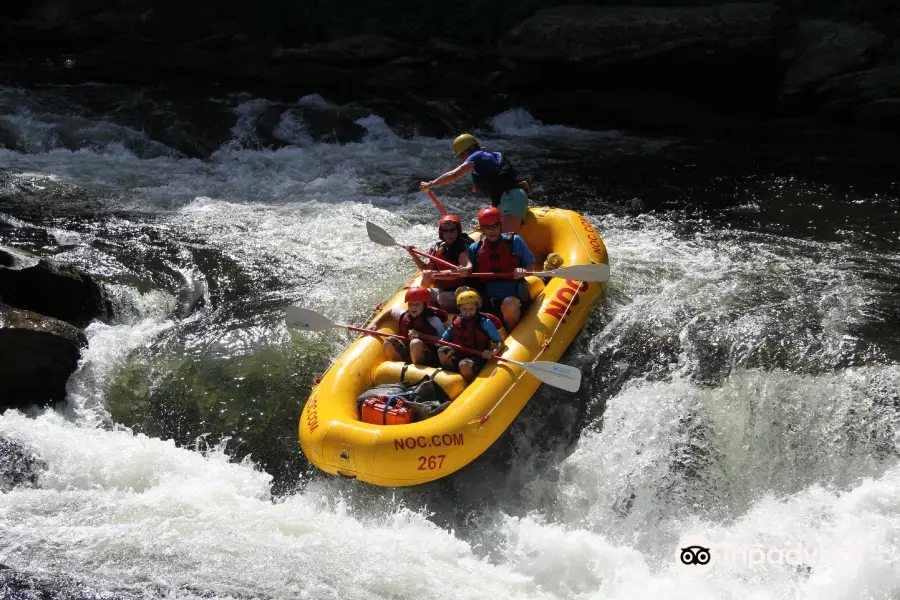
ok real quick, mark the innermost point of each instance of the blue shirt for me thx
(501, 288)
(487, 326)
(485, 162)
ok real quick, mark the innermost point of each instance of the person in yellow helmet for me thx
(494, 177)
(472, 329)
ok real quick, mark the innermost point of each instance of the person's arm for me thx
(465, 264)
(448, 177)
(526, 258)
(395, 312)
(435, 322)
(487, 326)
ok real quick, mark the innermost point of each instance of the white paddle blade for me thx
(379, 235)
(305, 319)
(555, 374)
(598, 273)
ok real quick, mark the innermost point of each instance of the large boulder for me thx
(37, 356)
(822, 49)
(644, 65)
(724, 55)
(841, 71)
(60, 291)
(610, 34)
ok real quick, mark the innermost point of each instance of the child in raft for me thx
(418, 318)
(472, 329)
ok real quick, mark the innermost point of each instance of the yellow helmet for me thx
(468, 296)
(462, 143)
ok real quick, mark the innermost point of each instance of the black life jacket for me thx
(496, 182)
(420, 323)
(450, 253)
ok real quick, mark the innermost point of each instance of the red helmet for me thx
(418, 294)
(489, 216)
(449, 219)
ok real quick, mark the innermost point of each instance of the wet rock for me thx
(59, 291)
(714, 55)
(357, 51)
(832, 69)
(824, 49)
(884, 112)
(37, 356)
(600, 34)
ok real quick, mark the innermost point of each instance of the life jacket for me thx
(497, 181)
(467, 331)
(420, 323)
(497, 257)
(450, 253)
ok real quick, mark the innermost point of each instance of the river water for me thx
(740, 381)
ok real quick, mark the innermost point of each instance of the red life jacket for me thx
(467, 332)
(450, 253)
(497, 257)
(420, 323)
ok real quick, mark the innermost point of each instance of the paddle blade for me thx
(555, 374)
(598, 273)
(379, 235)
(305, 319)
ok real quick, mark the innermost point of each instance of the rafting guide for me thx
(493, 176)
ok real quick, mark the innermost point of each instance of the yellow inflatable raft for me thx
(337, 442)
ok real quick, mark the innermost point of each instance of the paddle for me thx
(382, 237)
(572, 273)
(551, 373)
(436, 202)
(555, 374)
(305, 319)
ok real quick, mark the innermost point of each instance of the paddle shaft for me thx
(437, 202)
(431, 338)
(553, 374)
(481, 275)
(439, 261)
(425, 338)
(592, 272)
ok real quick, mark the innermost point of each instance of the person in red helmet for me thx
(418, 318)
(502, 253)
(493, 176)
(453, 247)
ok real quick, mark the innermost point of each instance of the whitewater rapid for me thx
(720, 404)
